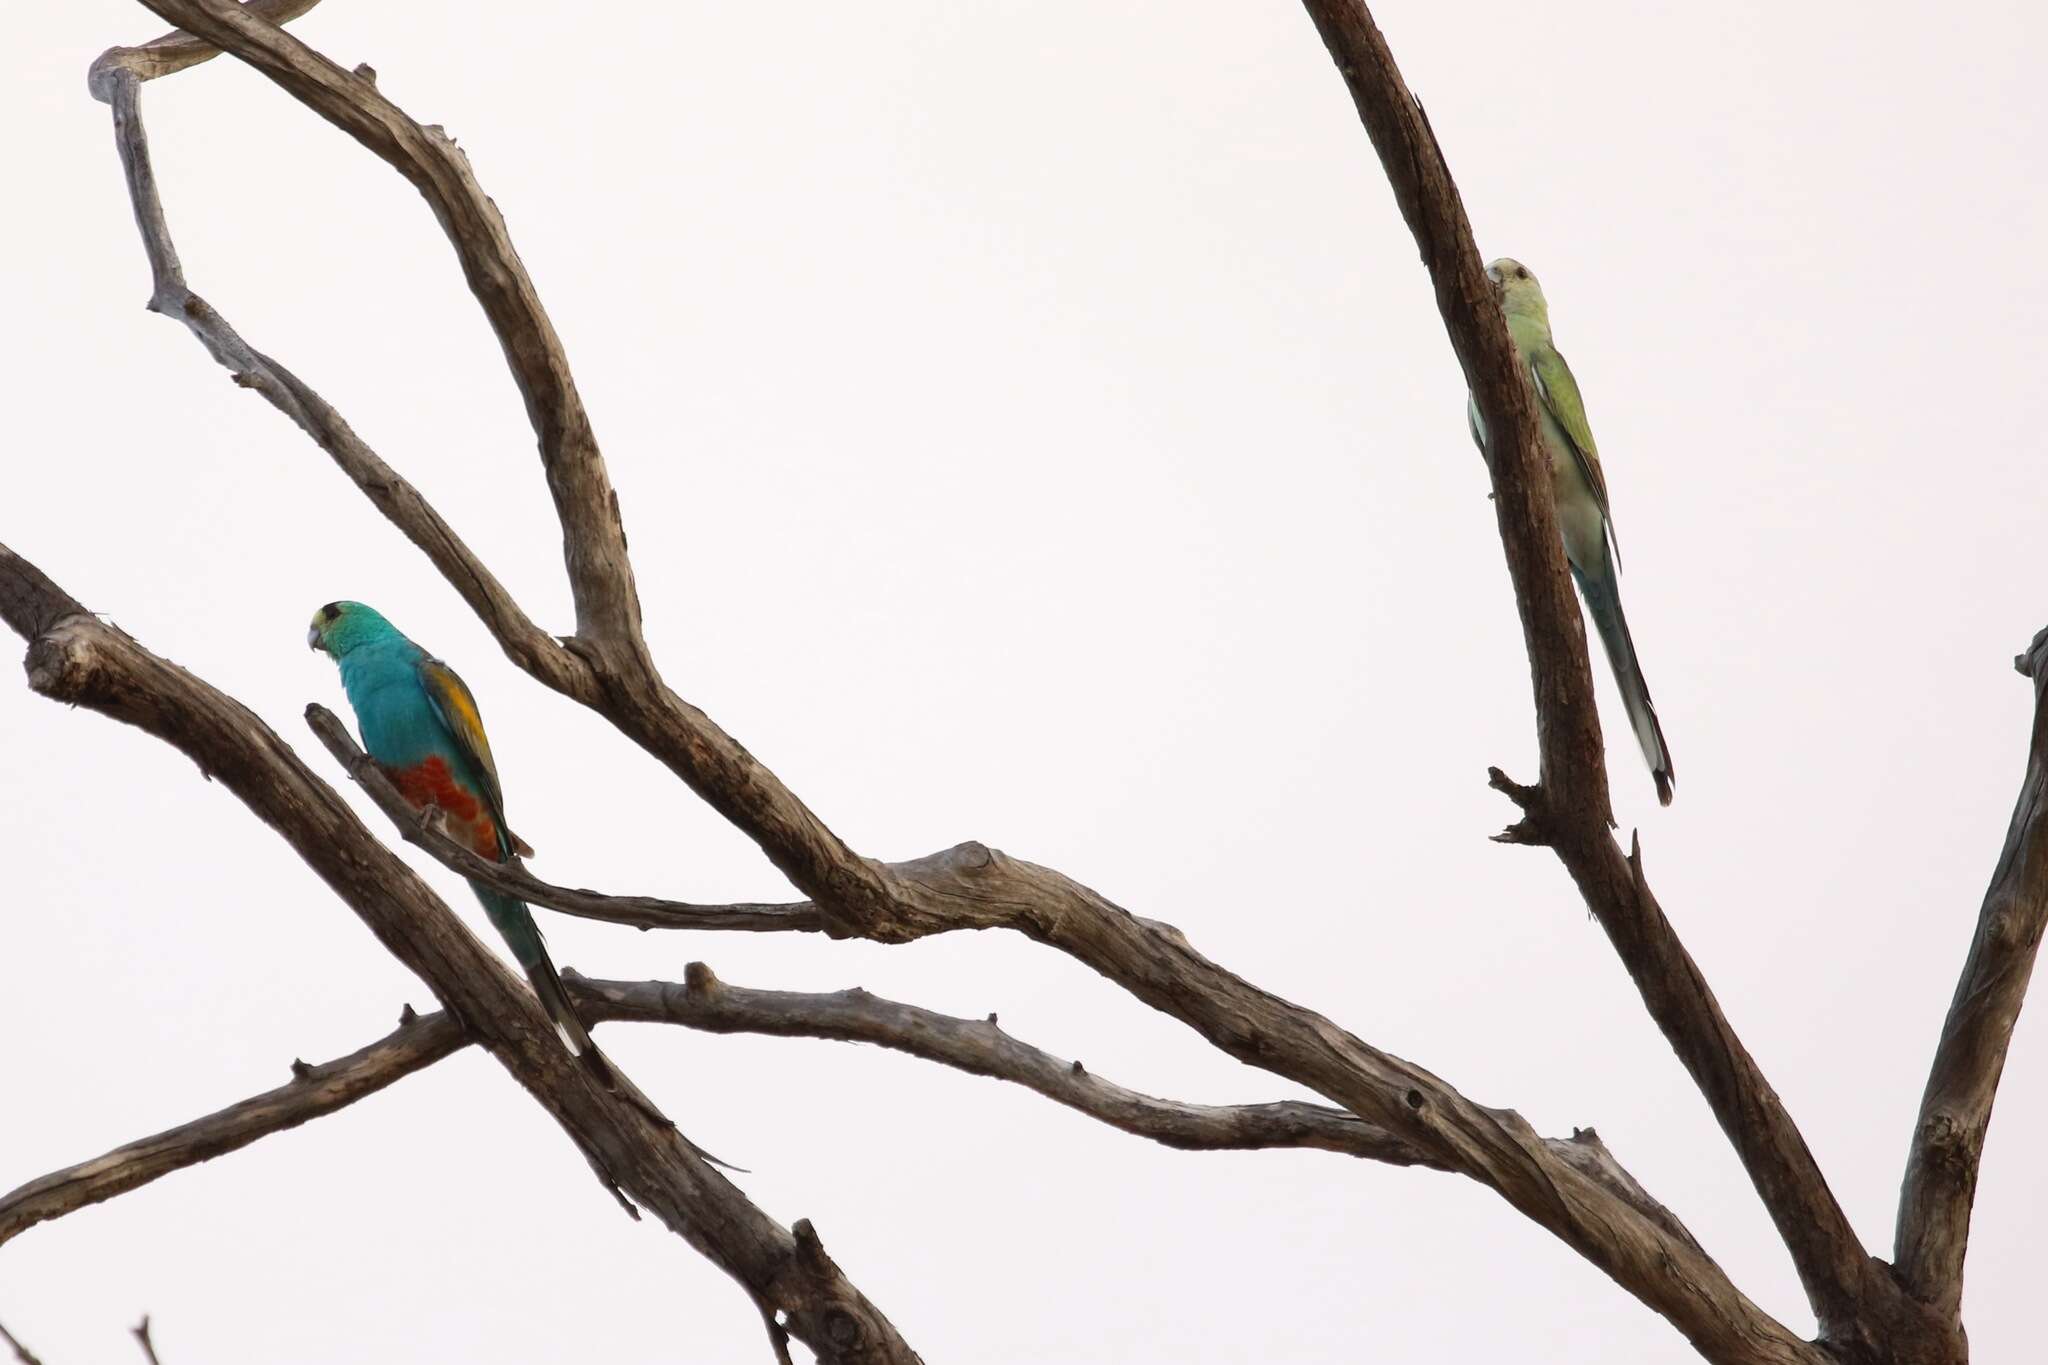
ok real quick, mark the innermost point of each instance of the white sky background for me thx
(1033, 425)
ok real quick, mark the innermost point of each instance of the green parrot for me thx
(1581, 494)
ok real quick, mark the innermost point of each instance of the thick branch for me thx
(1567, 725)
(1948, 1140)
(600, 575)
(1569, 809)
(81, 661)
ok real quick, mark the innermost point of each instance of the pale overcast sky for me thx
(1033, 425)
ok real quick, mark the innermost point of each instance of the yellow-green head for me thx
(1521, 298)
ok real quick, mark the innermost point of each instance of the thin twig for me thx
(22, 1354)
(141, 1330)
(642, 912)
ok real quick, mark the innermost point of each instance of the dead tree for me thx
(1869, 1311)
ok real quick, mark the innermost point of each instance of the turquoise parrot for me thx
(421, 725)
(1581, 493)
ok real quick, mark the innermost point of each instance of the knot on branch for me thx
(972, 856)
(62, 663)
(699, 979)
(1944, 1139)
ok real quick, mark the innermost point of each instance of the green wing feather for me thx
(456, 706)
(1559, 394)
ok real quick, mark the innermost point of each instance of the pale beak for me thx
(312, 637)
(1493, 273)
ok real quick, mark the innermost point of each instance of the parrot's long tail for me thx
(522, 935)
(515, 922)
(1603, 604)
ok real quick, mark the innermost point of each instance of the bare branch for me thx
(81, 661)
(318, 1090)
(600, 575)
(642, 912)
(526, 643)
(706, 1003)
(1955, 1112)
(980, 1047)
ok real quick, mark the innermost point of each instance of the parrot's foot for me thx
(433, 820)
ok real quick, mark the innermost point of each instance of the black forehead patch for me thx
(329, 612)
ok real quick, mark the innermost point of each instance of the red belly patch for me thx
(430, 783)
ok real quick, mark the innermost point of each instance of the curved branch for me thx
(981, 1048)
(1955, 1112)
(600, 575)
(116, 80)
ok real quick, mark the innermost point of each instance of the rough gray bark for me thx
(1390, 1110)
